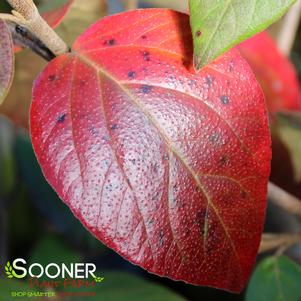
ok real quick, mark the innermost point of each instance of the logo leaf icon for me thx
(98, 279)
(9, 270)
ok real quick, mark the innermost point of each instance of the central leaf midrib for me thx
(174, 150)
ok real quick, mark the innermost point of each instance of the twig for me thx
(284, 199)
(281, 242)
(130, 4)
(288, 30)
(25, 14)
(22, 37)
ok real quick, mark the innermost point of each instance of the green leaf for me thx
(219, 25)
(53, 250)
(289, 131)
(275, 279)
(8, 286)
(118, 286)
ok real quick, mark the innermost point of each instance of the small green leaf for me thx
(219, 25)
(289, 131)
(275, 279)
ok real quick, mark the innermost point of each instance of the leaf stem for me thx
(26, 14)
(284, 199)
(278, 241)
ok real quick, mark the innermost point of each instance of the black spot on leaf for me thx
(231, 66)
(61, 118)
(150, 222)
(214, 138)
(106, 138)
(146, 89)
(225, 99)
(161, 238)
(146, 56)
(52, 77)
(209, 80)
(155, 196)
(155, 167)
(200, 217)
(243, 194)
(131, 74)
(223, 160)
(111, 42)
(198, 33)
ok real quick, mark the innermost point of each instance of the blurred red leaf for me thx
(55, 16)
(167, 167)
(274, 72)
(6, 60)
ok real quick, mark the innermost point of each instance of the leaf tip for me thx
(197, 63)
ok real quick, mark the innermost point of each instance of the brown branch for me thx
(284, 199)
(271, 242)
(288, 29)
(25, 14)
(130, 4)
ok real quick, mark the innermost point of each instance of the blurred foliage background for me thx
(36, 225)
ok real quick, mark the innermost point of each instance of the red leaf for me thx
(274, 71)
(167, 167)
(54, 17)
(6, 60)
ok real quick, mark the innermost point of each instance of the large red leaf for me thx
(274, 71)
(167, 167)
(6, 60)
